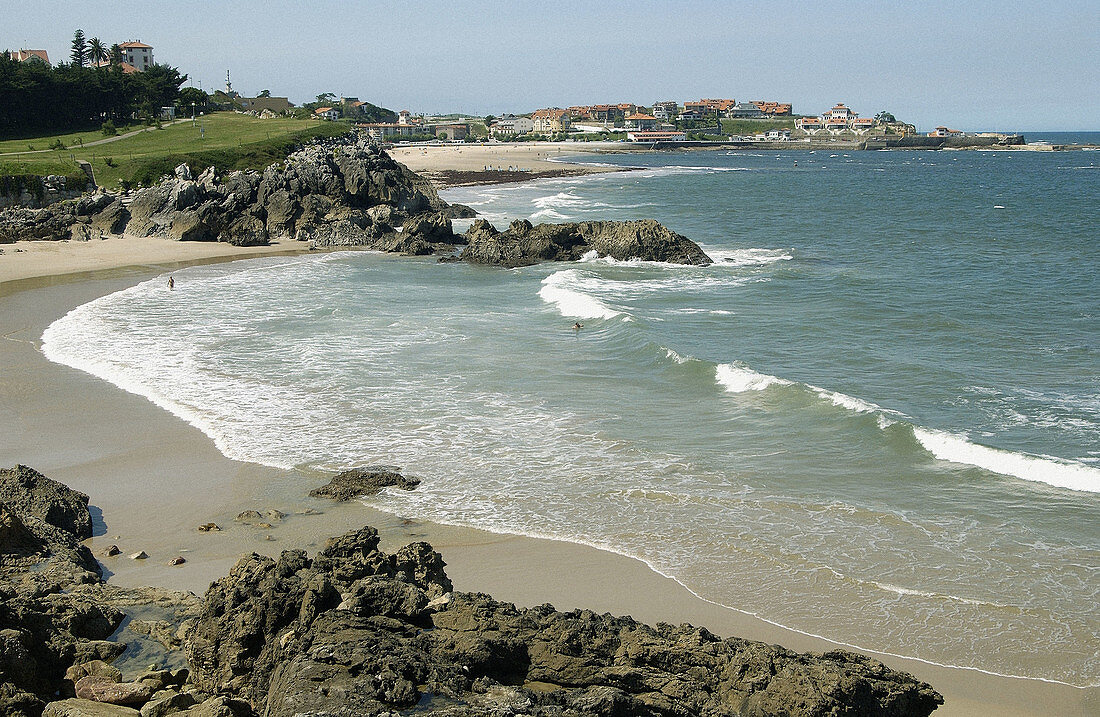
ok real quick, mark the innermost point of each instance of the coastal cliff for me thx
(339, 192)
(355, 631)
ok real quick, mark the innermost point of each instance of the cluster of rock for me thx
(328, 193)
(356, 631)
(336, 192)
(60, 623)
(522, 244)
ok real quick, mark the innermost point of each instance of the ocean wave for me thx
(560, 289)
(561, 199)
(1041, 469)
(549, 213)
(738, 378)
(1060, 473)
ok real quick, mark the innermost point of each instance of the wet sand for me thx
(156, 478)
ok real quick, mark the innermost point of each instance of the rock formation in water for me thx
(355, 631)
(523, 244)
(363, 481)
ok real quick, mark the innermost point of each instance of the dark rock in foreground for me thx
(28, 491)
(522, 244)
(357, 632)
(363, 481)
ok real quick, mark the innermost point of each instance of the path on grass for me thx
(96, 142)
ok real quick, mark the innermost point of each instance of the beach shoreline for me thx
(136, 460)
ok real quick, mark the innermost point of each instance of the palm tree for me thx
(97, 51)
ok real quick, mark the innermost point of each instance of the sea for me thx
(874, 418)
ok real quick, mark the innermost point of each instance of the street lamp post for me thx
(192, 114)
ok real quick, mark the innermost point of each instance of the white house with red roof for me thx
(641, 122)
(138, 54)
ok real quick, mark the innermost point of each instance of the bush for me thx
(57, 144)
(108, 129)
(110, 162)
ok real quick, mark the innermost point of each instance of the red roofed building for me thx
(138, 54)
(641, 122)
(551, 121)
(30, 55)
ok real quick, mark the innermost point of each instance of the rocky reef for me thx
(333, 193)
(354, 631)
(522, 244)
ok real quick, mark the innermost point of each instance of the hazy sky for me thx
(967, 64)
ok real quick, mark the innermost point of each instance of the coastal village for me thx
(665, 122)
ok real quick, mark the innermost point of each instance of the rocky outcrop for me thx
(59, 623)
(323, 194)
(27, 491)
(363, 481)
(357, 632)
(90, 217)
(522, 244)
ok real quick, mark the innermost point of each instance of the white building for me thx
(665, 111)
(510, 124)
(138, 54)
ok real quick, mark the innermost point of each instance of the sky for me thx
(970, 65)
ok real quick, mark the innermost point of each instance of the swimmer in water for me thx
(578, 326)
(171, 282)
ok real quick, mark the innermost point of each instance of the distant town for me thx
(663, 122)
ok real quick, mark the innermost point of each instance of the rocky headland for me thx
(340, 192)
(352, 630)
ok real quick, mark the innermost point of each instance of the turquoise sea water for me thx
(876, 418)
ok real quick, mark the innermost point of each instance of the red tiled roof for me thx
(22, 55)
(640, 116)
(138, 45)
(319, 110)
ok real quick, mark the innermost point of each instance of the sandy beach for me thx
(494, 163)
(154, 479)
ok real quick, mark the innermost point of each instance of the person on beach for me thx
(171, 282)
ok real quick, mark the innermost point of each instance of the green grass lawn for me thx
(226, 140)
(755, 126)
(71, 139)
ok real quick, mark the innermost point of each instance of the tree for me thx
(885, 117)
(325, 98)
(80, 49)
(264, 93)
(97, 52)
(191, 96)
(116, 55)
(157, 87)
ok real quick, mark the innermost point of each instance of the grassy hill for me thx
(226, 140)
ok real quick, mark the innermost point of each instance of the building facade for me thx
(512, 125)
(138, 54)
(551, 121)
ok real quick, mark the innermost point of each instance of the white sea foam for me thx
(676, 357)
(560, 289)
(738, 378)
(1042, 469)
(549, 213)
(747, 257)
(843, 400)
